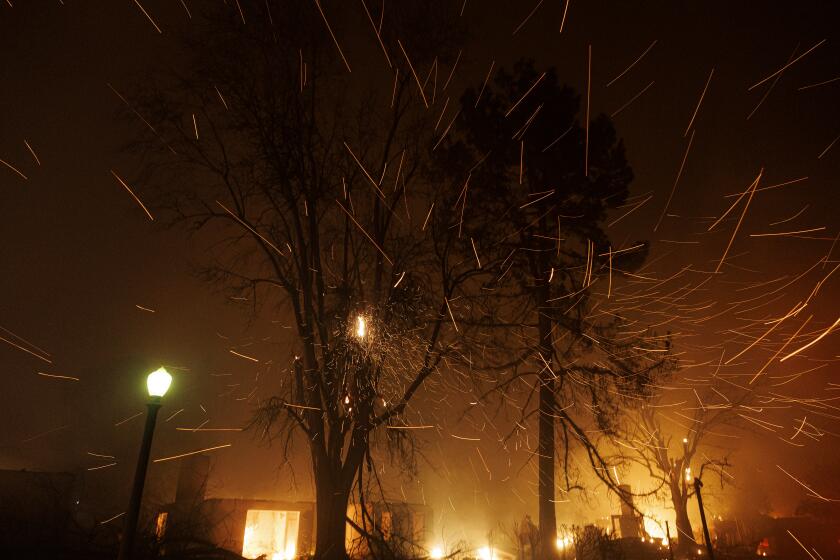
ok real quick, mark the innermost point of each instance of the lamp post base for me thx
(133, 512)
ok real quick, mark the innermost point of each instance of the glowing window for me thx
(160, 524)
(270, 533)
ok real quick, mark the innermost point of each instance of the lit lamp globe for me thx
(158, 383)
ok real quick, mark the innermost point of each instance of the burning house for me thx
(277, 529)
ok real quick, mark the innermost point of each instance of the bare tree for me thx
(309, 180)
(671, 439)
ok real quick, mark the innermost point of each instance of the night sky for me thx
(86, 277)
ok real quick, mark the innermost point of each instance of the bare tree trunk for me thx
(547, 514)
(685, 534)
(330, 516)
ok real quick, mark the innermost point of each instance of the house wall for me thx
(222, 521)
(35, 507)
(402, 527)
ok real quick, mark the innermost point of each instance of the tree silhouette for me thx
(681, 434)
(304, 177)
(535, 185)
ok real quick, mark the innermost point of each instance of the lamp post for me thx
(697, 486)
(157, 384)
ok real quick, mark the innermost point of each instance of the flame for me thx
(287, 554)
(653, 528)
(564, 542)
(271, 534)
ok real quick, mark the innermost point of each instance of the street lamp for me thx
(157, 383)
